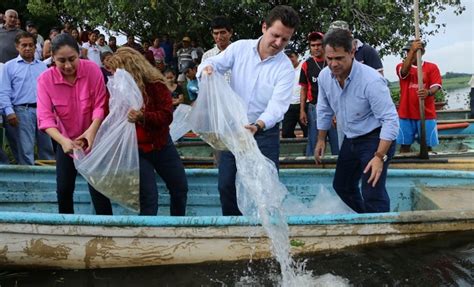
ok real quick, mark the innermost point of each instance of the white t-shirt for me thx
(93, 53)
(295, 97)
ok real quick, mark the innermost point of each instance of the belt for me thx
(372, 133)
(32, 105)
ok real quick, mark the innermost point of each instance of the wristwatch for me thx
(382, 157)
(259, 128)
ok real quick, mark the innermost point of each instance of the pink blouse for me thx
(71, 108)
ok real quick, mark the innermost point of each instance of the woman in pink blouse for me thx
(70, 108)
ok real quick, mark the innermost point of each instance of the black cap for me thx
(187, 66)
(30, 23)
(290, 51)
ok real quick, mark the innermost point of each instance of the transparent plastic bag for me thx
(112, 165)
(219, 116)
(180, 125)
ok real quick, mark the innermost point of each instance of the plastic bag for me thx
(219, 117)
(180, 125)
(112, 166)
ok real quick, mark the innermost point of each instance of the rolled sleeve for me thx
(383, 108)
(324, 112)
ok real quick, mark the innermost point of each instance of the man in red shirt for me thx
(309, 93)
(409, 109)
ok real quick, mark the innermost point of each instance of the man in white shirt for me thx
(292, 116)
(263, 76)
(221, 31)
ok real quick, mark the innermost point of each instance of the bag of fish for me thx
(219, 117)
(180, 125)
(112, 165)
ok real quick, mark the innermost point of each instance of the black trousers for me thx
(66, 182)
(292, 117)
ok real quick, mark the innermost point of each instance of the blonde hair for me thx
(135, 63)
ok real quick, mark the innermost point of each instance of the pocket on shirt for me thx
(357, 113)
(61, 107)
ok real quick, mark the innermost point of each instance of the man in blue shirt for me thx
(263, 77)
(18, 101)
(359, 97)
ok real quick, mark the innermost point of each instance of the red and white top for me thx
(409, 107)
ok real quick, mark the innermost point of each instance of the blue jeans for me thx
(269, 144)
(169, 167)
(22, 138)
(354, 156)
(313, 133)
(66, 181)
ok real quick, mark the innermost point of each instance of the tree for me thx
(384, 24)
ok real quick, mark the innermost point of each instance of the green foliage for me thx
(384, 24)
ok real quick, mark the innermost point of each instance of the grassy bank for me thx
(449, 84)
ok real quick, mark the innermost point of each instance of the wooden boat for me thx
(295, 147)
(424, 203)
(456, 127)
(453, 114)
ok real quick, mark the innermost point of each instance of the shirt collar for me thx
(19, 59)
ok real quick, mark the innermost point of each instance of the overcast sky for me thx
(452, 49)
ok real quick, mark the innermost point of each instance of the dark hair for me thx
(168, 70)
(64, 40)
(285, 14)
(339, 38)
(103, 55)
(290, 51)
(101, 36)
(221, 22)
(22, 35)
(112, 37)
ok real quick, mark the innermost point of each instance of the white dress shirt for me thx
(264, 85)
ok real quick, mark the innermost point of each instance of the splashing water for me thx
(219, 117)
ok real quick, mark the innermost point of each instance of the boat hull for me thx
(90, 245)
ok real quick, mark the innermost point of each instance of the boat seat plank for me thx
(451, 198)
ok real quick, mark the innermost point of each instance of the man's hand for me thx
(12, 120)
(376, 167)
(208, 70)
(319, 151)
(254, 129)
(423, 93)
(135, 116)
(303, 118)
(416, 45)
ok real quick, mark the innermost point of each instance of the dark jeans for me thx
(168, 165)
(292, 117)
(66, 181)
(269, 144)
(354, 156)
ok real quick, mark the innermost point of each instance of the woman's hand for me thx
(68, 145)
(135, 116)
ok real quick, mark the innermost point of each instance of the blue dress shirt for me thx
(18, 83)
(362, 105)
(264, 85)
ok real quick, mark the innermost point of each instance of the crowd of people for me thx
(55, 88)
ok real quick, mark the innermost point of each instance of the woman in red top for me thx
(156, 150)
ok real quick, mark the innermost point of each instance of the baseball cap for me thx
(30, 23)
(339, 24)
(315, 36)
(186, 39)
(187, 66)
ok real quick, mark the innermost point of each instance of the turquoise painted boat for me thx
(32, 235)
